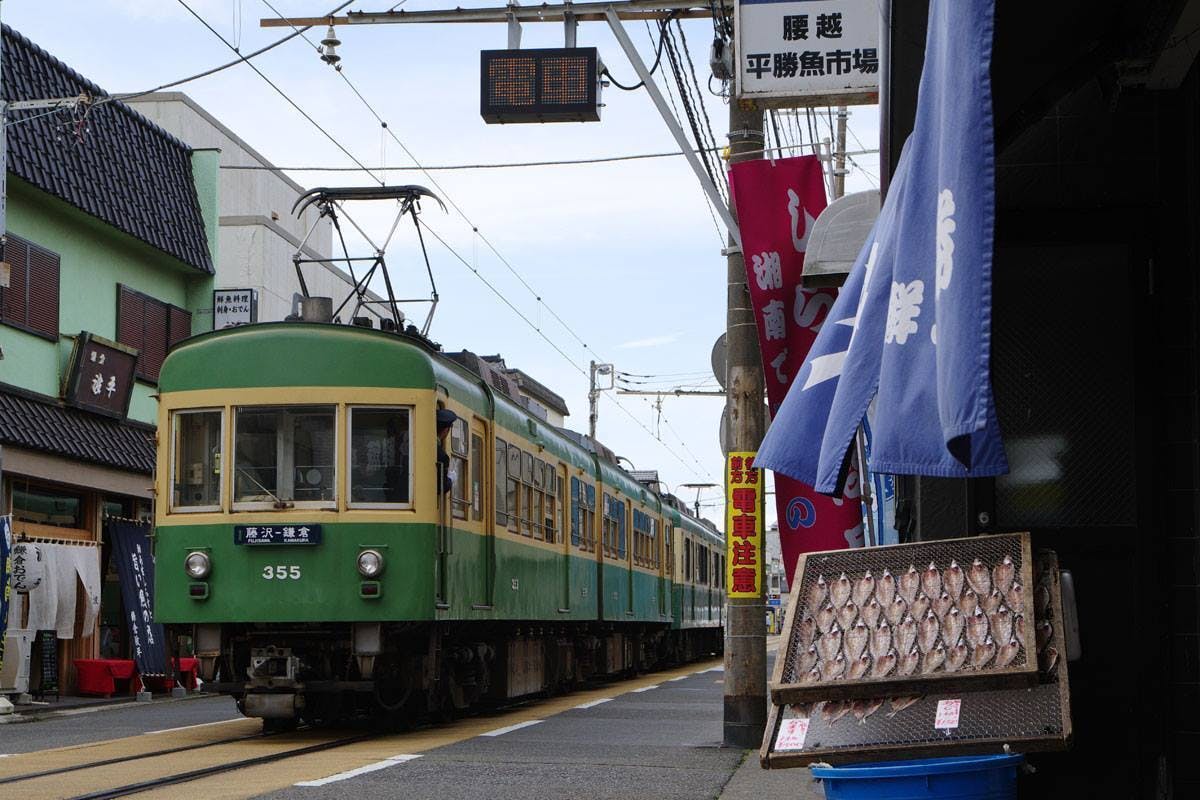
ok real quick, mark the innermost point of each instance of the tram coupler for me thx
(273, 706)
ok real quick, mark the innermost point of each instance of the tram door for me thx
(563, 515)
(627, 535)
(662, 538)
(479, 501)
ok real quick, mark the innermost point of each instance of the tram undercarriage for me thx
(407, 671)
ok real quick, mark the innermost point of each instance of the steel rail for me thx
(217, 769)
(28, 776)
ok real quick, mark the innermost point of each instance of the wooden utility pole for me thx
(745, 626)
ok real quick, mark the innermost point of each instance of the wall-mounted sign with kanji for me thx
(233, 307)
(743, 526)
(809, 52)
(101, 375)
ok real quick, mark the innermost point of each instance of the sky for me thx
(627, 254)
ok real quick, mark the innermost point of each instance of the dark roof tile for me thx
(49, 427)
(121, 168)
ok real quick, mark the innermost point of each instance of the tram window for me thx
(560, 502)
(539, 496)
(589, 519)
(608, 533)
(501, 481)
(514, 482)
(576, 513)
(702, 565)
(380, 465)
(622, 525)
(550, 512)
(641, 538)
(196, 455)
(583, 515)
(285, 454)
(460, 500)
(476, 477)
(669, 549)
(528, 514)
(687, 560)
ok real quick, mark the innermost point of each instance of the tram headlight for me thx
(197, 565)
(370, 563)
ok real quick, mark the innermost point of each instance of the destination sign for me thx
(277, 534)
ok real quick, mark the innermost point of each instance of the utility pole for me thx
(839, 166)
(746, 629)
(594, 390)
(593, 399)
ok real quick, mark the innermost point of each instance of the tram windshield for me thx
(196, 478)
(285, 454)
(379, 457)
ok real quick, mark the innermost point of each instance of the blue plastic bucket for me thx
(957, 778)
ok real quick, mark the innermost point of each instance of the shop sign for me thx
(276, 534)
(233, 307)
(809, 52)
(743, 526)
(26, 567)
(101, 375)
(135, 567)
(792, 733)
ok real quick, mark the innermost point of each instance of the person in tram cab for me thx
(445, 421)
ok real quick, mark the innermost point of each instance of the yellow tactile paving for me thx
(257, 780)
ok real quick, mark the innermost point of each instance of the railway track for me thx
(16, 781)
(28, 776)
(216, 769)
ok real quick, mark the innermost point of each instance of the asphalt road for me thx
(662, 743)
(657, 736)
(101, 723)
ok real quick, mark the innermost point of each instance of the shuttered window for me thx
(30, 301)
(151, 326)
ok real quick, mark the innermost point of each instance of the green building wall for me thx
(94, 259)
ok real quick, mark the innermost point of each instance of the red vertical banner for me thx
(777, 203)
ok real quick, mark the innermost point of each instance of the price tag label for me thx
(792, 733)
(947, 715)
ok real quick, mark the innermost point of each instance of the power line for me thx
(550, 341)
(437, 236)
(446, 195)
(513, 164)
(171, 84)
(283, 94)
(491, 247)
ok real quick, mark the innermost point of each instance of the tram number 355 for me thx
(281, 572)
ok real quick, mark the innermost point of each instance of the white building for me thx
(258, 234)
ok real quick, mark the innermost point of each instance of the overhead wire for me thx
(280, 92)
(446, 196)
(666, 85)
(436, 235)
(654, 68)
(500, 295)
(179, 82)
